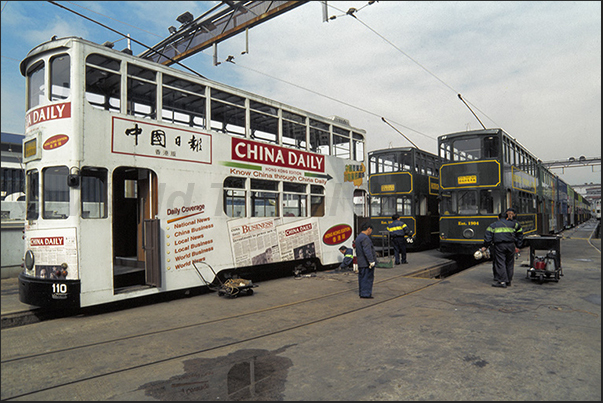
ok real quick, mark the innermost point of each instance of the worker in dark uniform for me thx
(506, 236)
(367, 259)
(398, 232)
(348, 258)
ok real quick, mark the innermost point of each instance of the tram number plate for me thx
(59, 291)
(464, 180)
(388, 188)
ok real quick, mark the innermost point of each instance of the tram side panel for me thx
(187, 197)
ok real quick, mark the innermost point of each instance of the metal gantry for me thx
(221, 22)
(572, 162)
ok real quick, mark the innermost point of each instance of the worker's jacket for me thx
(348, 258)
(398, 229)
(365, 251)
(504, 231)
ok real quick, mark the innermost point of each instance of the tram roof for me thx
(487, 132)
(471, 132)
(399, 149)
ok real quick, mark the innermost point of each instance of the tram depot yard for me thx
(312, 338)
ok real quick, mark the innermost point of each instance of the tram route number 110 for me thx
(59, 290)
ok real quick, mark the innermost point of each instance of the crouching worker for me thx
(348, 258)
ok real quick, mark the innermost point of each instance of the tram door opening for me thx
(136, 260)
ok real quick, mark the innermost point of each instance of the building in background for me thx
(13, 204)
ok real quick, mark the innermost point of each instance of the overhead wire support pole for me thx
(383, 119)
(461, 98)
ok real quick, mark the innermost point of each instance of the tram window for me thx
(317, 206)
(422, 205)
(142, 92)
(55, 193)
(404, 205)
(227, 113)
(319, 137)
(375, 206)
(294, 130)
(103, 82)
(341, 142)
(234, 182)
(317, 202)
(32, 194)
(59, 77)
(130, 189)
(316, 189)
(490, 202)
(467, 149)
(467, 202)
(188, 86)
(264, 204)
(94, 192)
(36, 90)
(389, 205)
(490, 147)
(294, 187)
(448, 203)
(294, 205)
(446, 151)
(388, 163)
(261, 184)
(183, 102)
(264, 122)
(234, 203)
(357, 147)
(372, 165)
(405, 162)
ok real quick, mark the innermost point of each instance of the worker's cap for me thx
(342, 247)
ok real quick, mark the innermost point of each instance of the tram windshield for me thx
(391, 162)
(468, 148)
(468, 202)
(386, 206)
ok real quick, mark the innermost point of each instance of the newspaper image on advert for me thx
(254, 242)
(299, 240)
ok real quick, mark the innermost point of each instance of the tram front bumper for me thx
(48, 292)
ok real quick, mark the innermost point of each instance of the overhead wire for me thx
(124, 35)
(352, 12)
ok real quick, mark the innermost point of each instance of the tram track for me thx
(284, 317)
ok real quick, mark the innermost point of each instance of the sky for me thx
(530, 68)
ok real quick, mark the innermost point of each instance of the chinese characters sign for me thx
(157, 141)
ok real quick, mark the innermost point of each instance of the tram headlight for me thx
(29, 260)
(468, 233)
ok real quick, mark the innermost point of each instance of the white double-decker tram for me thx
(135, 170)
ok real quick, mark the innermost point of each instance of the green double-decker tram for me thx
(483, 173)
(404, 181)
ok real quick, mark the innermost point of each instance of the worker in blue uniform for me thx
(367, 259)
(506, 237)
(348, 258)
(398, 231)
